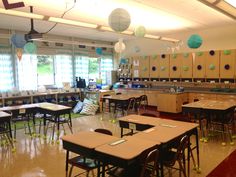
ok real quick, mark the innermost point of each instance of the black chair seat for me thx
(84, 163)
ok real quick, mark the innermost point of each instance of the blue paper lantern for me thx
(30, 48)
(18, 40)
(194, 41)
(99, 51)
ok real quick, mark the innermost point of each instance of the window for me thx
(63, 69)
(45, 70)
(27, 72)
(6, 74)
(88, 68)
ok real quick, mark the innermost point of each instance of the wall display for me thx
(227, 63)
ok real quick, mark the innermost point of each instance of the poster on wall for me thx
(136, 63)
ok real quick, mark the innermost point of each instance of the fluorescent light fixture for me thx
(231, 2)
(152, 36)
(169, 39)
(21, 14)
(227, 7)
(127, 32)
(71, 22)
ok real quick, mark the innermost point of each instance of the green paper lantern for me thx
(212, 67)
(30, 48)
(199, 54)
(174, 56)
(186, 55)
(194, 41)
(185, 68)
(227, 52)
(140, 31)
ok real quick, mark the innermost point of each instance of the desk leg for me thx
(188, 158)
(197, 144)
(44, 126)
(67, 158)
(121, 132)
(98, 170)
(161, 162)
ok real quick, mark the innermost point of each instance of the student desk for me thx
(5, 125)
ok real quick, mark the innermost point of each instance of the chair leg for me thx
(70, 172)
(182, 168)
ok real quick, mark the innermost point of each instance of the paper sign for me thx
(132, 126)
(22, 111)
(136, 63)
(136, 73)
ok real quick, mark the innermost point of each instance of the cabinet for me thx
(154, 66)
(171, 102)
(164, 66)
(227, 64)
(199, 69)
(152, 97)
(212, 64)
(175, 65)
(186, 65)
(201, 96)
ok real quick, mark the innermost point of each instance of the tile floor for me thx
(37, 157)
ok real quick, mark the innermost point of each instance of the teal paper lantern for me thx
(98, 51)
(212, 67)
(119, 20)
(140, 31)
(30, 48)
(18, 40)
(194, 41)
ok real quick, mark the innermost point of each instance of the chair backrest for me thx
(119, 93)
(143, 101)
(183, 144)
(104, 131)
(131, 104)
(150, 156)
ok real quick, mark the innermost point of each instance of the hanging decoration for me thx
(119, 20)
(119, 46)
(30, 48)
(136, 49)
(98, 51)
(19, 53)
(18, 40)
(175, 46)
(140, 31)
(194, 41)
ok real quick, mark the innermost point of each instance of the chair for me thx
(143, 102)
(170, 157)
(118, 93)
(125, 107)
(84, 163)
(146, 166)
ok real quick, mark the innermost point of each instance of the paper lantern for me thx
(119, 20)
(98, 51)
(119, 46)
(30, 48)
(19, 53)
(136, 49)
(194, 41)
(140, 31)
(18, 40)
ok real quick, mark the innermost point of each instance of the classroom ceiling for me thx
(160, 17)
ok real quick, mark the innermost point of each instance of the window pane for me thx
(82, 67)
(93, 68)
(6, 72)
(45, 70)
(63, 70)
(27, 72)
(106, 65)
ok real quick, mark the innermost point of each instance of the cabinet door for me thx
(186, 65)
(154, 66)
(227, 63)
(212, 64)
(199, 64)
(164, 66)
(144, 66)
(175, 65)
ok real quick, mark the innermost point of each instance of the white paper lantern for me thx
(119, 46)
(119, 20)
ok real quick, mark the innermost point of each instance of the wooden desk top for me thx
(4, 114)
(129, 149)
(211, 104)
(24, 106)
(52, 107)
(89, 139)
